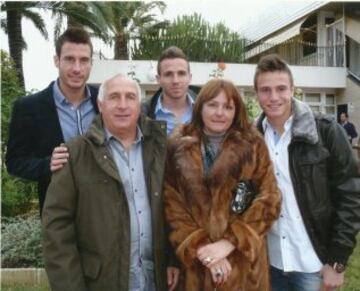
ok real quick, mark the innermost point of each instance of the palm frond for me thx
(38, 21)
(4, 25)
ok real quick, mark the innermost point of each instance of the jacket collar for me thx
(151, 102)
(304, 125)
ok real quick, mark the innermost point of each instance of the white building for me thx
(322, 35)
(321, 43)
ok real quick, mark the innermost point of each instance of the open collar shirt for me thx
(289, 245)
(162, 113)
(74, 121)
(130, 167)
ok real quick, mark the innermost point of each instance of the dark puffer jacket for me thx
(326, 182)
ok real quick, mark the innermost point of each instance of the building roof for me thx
(276, 23)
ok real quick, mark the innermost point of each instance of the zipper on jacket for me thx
(304, 213)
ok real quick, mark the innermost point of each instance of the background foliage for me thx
(201, 41)
(17, 195)
(21, 242)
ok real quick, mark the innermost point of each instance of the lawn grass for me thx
(22, 287)
(352, 275)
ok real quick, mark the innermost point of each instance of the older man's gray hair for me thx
(103, 86)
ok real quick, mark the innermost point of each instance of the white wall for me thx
(241, 74)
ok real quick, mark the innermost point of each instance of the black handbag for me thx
(244, 194)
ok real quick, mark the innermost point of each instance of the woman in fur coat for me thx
(220, 245)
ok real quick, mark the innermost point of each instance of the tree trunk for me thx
(121, 47)
(15, 42)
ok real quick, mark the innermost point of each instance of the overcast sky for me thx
(238, 15)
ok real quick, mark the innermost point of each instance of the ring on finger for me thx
(219, 272)
(207, 260)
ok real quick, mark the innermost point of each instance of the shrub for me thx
(252, 106)
(10, 91)
(21, 242)
(17, 194)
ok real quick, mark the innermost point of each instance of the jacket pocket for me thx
(91, 264)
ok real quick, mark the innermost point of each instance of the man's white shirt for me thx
(289, 245)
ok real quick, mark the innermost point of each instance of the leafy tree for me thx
(10, 91)
(16, 194)
(15, 12)
(201, 41)
(91, 14)
(132, 18)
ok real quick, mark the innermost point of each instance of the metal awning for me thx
(282, 36)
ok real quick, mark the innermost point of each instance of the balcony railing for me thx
(300, 53)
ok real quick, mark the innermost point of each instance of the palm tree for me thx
(132, 18)
(91, 14)
(15, 11)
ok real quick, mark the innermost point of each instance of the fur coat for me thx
(198, 208)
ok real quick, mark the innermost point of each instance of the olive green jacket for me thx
(86, 222)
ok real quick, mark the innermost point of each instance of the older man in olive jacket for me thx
(103, 222)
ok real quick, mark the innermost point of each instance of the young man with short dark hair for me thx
(173, 101)
(41, 122)
(316, 170)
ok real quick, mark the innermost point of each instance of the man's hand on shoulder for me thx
(59, 158)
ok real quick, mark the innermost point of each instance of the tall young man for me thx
(173, 101)
(65, 109)
(310, 244)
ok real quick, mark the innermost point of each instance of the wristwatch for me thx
(339, 268)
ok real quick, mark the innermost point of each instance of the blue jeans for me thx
(294, 281)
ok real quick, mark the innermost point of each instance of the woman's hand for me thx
(220, 271)
(211, 254)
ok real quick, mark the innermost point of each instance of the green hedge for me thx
(21, 242)
(17, 197)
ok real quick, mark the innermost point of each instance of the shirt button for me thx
(135, 190)
(276, 153)
(156, 193)
(277, 174)
(281, 215)
(283, 237)
(132, 169)
(139, 212)
(142, 234)
(105, 157)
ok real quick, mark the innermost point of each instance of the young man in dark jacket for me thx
(174, 100)
(316, 170)
(42, 121)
